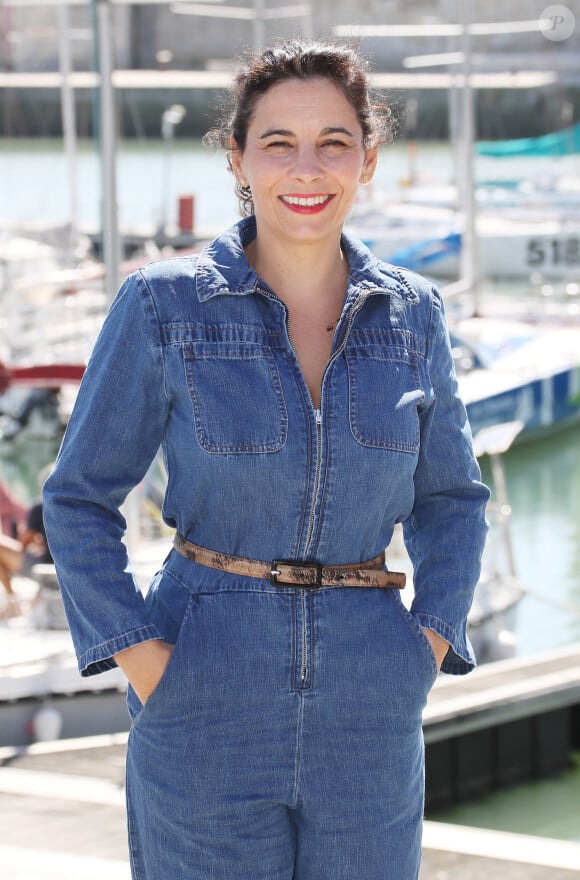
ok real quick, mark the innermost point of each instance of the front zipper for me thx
(318, 420)
(304, 668)
(357, 305)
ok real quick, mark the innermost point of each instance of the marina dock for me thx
(507, 722)
(62, 817)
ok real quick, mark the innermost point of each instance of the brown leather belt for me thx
(295, 573)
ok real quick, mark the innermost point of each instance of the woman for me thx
(304, 396)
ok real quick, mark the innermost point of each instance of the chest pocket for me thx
(384, 396)
(236, 393)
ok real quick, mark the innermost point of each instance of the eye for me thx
(278, 146)
(334, 144)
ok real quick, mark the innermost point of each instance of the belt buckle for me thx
(274, 573)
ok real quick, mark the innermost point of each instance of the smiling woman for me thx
(340, 68)
(313, 167)
(304, 397)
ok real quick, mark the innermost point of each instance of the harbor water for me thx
(543, 482)
(35, 179)
(543, 478)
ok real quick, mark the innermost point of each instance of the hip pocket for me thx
(418, 644)
(170, 609)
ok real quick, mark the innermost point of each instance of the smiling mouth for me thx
(307, 204)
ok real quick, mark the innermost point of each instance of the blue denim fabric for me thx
(284, 739)
(195, 356)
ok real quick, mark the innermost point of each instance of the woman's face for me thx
(304, 159)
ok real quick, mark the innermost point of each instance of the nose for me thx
(307, 166)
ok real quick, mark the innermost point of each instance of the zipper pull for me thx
(318, 417)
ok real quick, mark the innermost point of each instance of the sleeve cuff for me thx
(460, 658)
(100, 658)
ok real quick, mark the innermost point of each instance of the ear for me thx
(370, 165)
(236, 163)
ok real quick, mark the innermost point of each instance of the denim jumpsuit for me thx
(284, 740)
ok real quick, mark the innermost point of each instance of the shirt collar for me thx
(223, 267)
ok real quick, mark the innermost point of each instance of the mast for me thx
(68, 127)
(107, 146)
(469, 258)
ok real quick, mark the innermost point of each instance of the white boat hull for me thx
(510, 247)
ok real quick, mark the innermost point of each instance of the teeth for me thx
(305, 202)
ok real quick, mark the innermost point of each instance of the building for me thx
(166, 36)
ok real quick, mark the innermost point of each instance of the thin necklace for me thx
(332, 324)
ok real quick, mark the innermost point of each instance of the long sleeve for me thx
(113, 435)
(446, 531)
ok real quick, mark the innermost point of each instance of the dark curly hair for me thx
(296, 60)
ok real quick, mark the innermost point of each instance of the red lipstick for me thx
(300, 203)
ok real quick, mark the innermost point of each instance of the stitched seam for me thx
(159, 332)
(298, 750)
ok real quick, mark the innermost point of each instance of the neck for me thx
(312, 275)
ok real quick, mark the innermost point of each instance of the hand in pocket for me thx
(438, 644)
(144, 665)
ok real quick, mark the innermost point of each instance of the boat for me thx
(524, 239)
(36, 400)
(42, 695)
(510, 370)
(523, 228)
(41, 691)
(515, 370)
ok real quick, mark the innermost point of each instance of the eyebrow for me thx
(277, 131)
(337, 130)
(282, 132)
